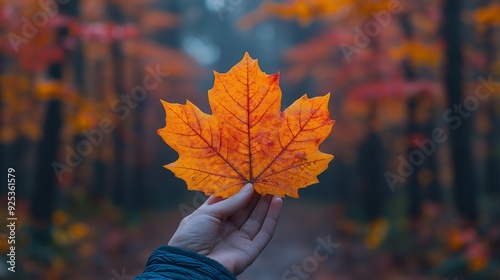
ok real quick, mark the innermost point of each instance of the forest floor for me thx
(356, 250)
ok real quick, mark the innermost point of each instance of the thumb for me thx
(231, 205)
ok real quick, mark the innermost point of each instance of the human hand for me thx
(233, 231)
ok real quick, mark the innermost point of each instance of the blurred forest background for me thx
(413, 191)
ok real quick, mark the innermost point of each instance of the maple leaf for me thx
(248, 139)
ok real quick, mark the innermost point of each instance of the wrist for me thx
(229, 264)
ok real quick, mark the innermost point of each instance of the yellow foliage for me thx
(60, 237)
(376, 233)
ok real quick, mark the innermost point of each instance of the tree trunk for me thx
(462, 157)
(493, 113)
(372, 164)
(493, 159)
(45, 190)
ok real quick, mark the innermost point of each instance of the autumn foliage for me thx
(248, 139)
(402, 74)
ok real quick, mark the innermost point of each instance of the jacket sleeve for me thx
(168, 262)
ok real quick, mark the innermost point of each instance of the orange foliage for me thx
(419, 54)
(248, 139)
(305, 10)
(50, 89)
(20, 113)
(488, 16)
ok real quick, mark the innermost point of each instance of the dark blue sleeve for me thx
(169, 262)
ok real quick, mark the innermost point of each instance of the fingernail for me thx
(248, 187)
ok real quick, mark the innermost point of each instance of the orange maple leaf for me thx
(248, 139)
